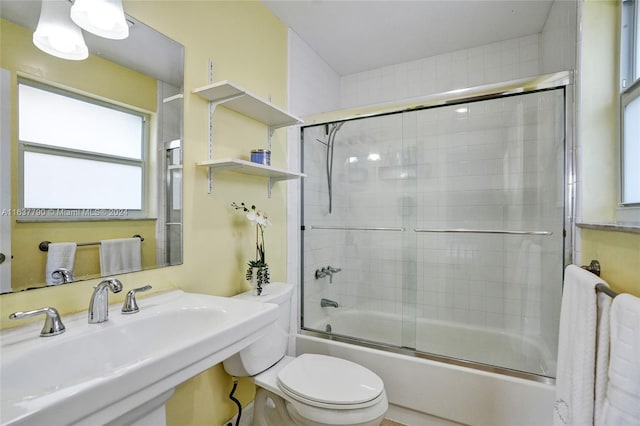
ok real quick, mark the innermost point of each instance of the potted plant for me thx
(258, 271)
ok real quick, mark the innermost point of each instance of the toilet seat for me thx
(329, 382)
(309, 412)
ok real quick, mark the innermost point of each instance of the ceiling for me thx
(359, 35)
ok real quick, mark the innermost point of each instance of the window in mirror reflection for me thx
(630, 103)
(631, 147)
(629, 44)
(73, 149)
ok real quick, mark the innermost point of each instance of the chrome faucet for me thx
(327, 270)
(52, 324)
(99, 305)
(65, 274)
(328, 303)
(130, 306)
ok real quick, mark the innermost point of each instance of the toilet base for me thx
(270, 409)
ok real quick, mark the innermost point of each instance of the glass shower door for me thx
(490, 230)
(445, 234)
(366, 172)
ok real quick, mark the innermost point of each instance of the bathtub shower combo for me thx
(439, 231)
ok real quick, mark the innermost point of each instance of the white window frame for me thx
(83, 214)
(629, 91)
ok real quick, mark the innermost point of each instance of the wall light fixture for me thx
(56, 34)
(104, 18)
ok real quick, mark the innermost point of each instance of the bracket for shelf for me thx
(269, 136)
(271, 180)
(212, 108)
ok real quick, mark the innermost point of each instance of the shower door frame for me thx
(561, 80)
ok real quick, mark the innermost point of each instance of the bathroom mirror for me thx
(151, 58)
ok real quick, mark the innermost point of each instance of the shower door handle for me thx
(483, 231)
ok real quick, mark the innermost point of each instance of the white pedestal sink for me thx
(121, 371)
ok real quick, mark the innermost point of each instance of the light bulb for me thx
(104, 18)
(56, 34)
(63, 42)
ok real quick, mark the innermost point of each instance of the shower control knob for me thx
(2, 258)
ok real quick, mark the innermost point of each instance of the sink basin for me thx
(97, 373)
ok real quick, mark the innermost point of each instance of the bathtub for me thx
(449, 391)
(493, 347)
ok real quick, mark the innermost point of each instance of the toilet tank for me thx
(272, 346)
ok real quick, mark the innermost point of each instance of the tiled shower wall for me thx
(492, 63)
(551, 50)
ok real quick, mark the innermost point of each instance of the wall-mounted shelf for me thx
(240, 100)
(248, 168)
(173, 98)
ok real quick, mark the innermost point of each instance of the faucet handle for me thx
(63, 274)
(130, 306)
(52, 324)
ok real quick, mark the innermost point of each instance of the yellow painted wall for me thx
(618, 252)
(248, 46)
(94, 76)
(28, 263)
(108, 81)
(619, 257)
(598, 135)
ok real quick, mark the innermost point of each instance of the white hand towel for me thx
(603, 342)
(622, 402)
(120, 255)
(577, 363)
(59, 255)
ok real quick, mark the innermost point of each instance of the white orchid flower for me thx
(262, 220)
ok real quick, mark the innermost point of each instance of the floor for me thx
(405, 417)
(402, 417)
(387, 422)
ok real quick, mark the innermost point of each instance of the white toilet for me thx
(309, 390)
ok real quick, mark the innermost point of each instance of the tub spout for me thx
(327, 303)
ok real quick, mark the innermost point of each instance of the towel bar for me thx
(44, 245)
(603, 288)
(593, 267)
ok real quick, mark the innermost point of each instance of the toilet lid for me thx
(329, 380)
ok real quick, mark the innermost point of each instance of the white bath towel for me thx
(622, 401)
(577, 354)
(59, 255)
(120, 255)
